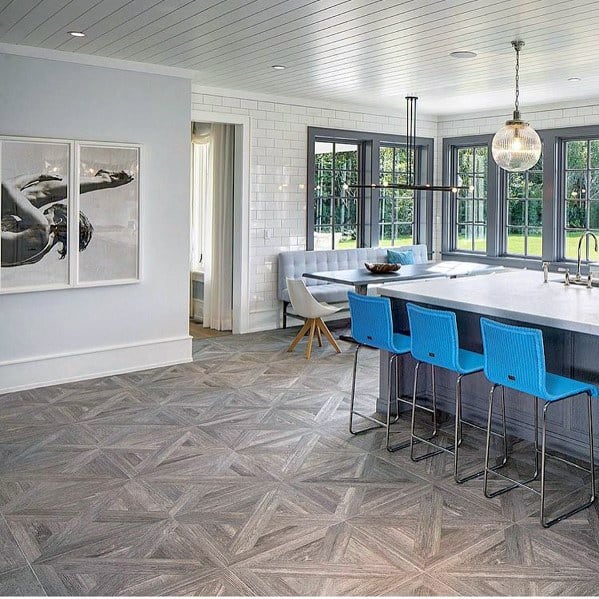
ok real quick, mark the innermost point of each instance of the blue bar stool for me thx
(515, 358)
(435, 341)
(372, 326)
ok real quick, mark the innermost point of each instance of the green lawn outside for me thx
(345, 244)
(515, 246)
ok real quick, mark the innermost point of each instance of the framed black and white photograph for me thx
(36, 193)
(108, 203)
(70, 214)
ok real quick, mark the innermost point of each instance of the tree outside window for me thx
(581, 195)
(335, 206)
(396, 206)
(524, 222)
(340, 215)
(471, 164)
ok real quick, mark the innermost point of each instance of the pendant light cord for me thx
(517, 46)
(517, 103)
(411, 139)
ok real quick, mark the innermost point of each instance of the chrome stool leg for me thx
(434, 390)
(414, 438)
(393, 367)
(543, 454)
(458, 434)
(537, 450)
(547, 523)
(377, 423)
(504, 460)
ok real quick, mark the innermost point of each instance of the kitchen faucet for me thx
(584, 236)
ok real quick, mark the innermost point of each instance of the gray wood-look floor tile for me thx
(11, 557)
(236, 475)
(21, 582)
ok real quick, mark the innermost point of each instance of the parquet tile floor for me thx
(235, 475)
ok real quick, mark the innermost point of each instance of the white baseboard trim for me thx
(43, 371)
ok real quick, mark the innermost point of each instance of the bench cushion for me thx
(396, 257)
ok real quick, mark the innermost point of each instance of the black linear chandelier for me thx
(411, 161)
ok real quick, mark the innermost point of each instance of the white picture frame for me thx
(42, 241)
(113, 212)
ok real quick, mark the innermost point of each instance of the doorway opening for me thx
(213, 193)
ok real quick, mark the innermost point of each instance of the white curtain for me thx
(201, 197)
(218, 231)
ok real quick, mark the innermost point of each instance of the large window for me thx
(540, 214)
(396, 206)
(581, 195)
(524, 222)
(340, 216)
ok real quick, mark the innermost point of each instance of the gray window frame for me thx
(553, 141)
(368, 199)
(450, 148)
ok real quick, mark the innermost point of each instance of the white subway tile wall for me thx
(278, 171)
(278, 168)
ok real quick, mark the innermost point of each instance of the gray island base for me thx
(568, 317)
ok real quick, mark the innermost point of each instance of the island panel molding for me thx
(70, 213)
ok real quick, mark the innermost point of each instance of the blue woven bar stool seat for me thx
(559, 387)
(515, 358)
(372, 326)
(470, 362)
(435, 341)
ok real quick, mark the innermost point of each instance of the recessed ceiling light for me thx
(77, 33)
(574, 78)
(279, 67)
(463, 54)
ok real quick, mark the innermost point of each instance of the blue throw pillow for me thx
(397, 257)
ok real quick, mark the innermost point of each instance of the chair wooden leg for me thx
(299, 336)
(318, 335)
(323, 327)
(312, 322)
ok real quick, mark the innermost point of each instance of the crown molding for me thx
(96, 61)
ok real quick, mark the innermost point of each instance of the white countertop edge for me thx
(402, 291)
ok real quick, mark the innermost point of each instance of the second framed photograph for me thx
(108, 213)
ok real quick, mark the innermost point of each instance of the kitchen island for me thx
(567, 315)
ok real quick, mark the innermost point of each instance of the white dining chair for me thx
(312, 310)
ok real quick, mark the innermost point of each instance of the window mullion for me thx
(370, 198)
(494, 197)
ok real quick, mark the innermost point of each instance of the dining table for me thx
(361, 278)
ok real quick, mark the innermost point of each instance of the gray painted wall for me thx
(45, 98)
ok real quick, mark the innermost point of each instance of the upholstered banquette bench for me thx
(295, 264)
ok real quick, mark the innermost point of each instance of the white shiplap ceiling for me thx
(369, 52)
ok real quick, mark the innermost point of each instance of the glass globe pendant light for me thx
(516, 146)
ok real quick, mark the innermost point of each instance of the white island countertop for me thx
(518, 295)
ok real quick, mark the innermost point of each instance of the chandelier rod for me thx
(411, 161)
